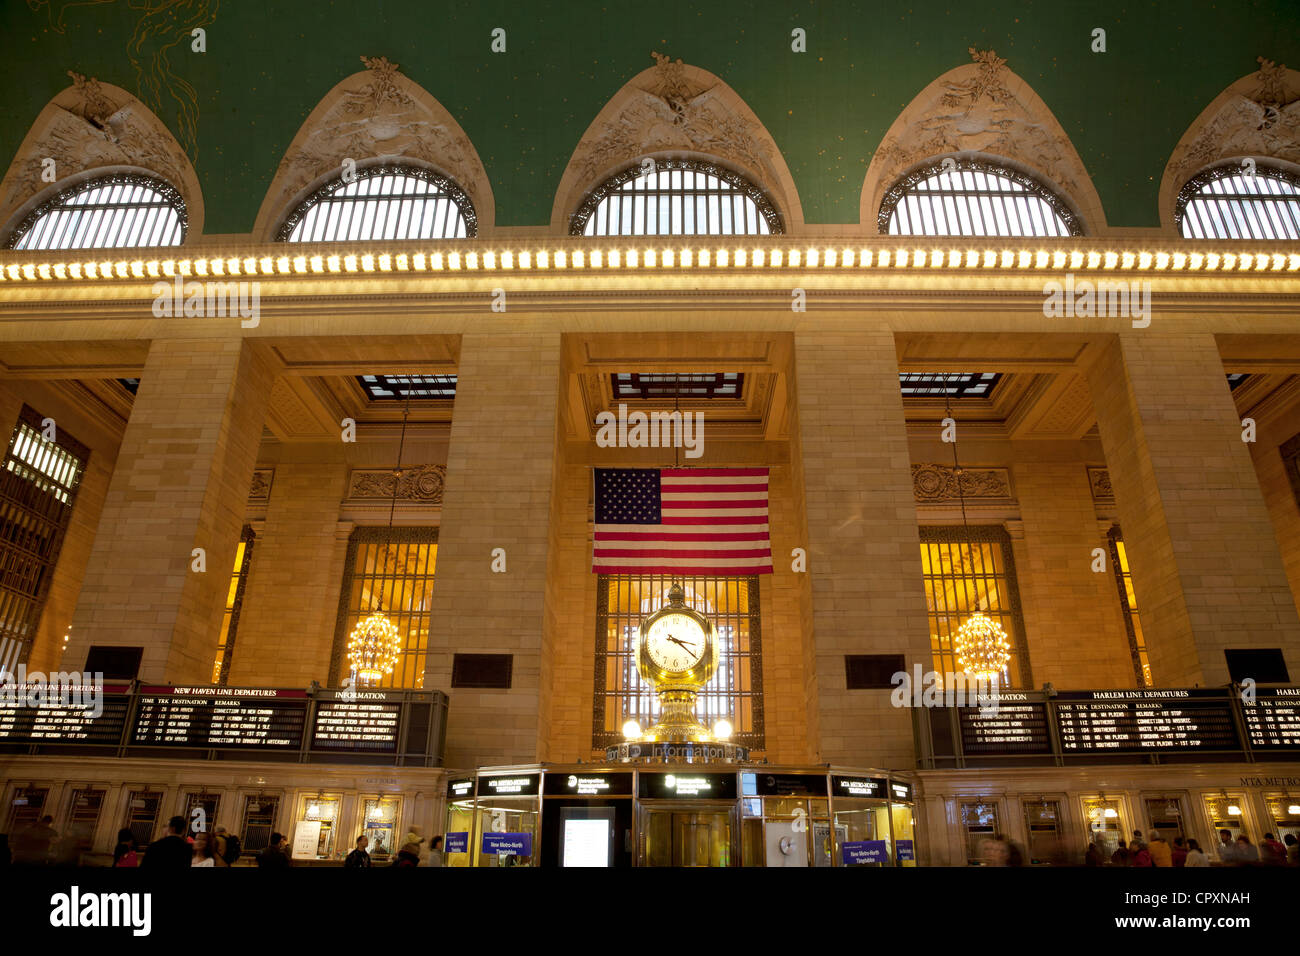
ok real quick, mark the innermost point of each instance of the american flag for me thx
(663, 520)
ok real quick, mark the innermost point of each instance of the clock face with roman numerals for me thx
(675, 642)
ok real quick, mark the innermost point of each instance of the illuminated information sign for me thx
(1013, 727)
(1273, 720)
(100, 725)
(365, 722)
(1114, 721)
(217, 717)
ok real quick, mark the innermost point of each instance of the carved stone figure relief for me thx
(417, 483)
(931, 483)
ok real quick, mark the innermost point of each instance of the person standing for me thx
(172, 851)
(1247, 852)
(1195, 857)
(32, 846)
(1271, 852)
(124, 854)
(1161, 855)
(358, 858)
(274, 857)
(1179, 852)
(1227, 849)
(1093, 856)
(435, 851)
(205, 852)
(1292, 849)
(1121, 856)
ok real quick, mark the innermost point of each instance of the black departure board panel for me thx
(1273, 720)
(90, 718)
(1123, 721)
(1013, 727)
(360, 722)
(219, 717)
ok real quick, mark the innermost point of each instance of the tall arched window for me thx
(678, 197)
(117, 211)
(383, 202)
(1240, 202)
(972, 198)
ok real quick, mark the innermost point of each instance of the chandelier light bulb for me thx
(982, 648)
(374, 647)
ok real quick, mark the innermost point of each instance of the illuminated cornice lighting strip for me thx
(591, 256)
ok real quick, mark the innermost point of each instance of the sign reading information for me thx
(217, 717)
(363, 721)
(1010, 728)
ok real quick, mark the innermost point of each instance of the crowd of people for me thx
(1156, 851)
(41, 845)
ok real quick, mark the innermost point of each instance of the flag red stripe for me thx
(677, 489)
(681, 536)
(674, 553)
(718, 519)
(713, 472)
(672, 568)
(705, 503)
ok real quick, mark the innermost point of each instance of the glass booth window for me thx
(379, 819)
(980, 822)
(206, 820)
(460, 828)
(315, 832)
(1166, 816)
(142, 815)
(1284, 811)
(83, 817)
(505, 820)
(1105, 825)
(1226, 812)
(785, 831)
(904, 833)
(259, 822)
(1043, 826)
(26, 807)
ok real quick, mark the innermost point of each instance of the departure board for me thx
(218, 717)
(1117, 721)
(89, 717)
(1013, 727)
(1273, 720)
(363, 721)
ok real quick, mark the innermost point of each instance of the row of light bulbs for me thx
(650, 258)
(722, 730)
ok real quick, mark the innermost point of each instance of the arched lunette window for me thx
(676, 197)
(1239, 201)
(115, 211)
(973, 198)
(383, 202)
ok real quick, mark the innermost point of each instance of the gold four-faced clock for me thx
(677, 653)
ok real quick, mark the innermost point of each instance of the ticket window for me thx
(861, 821)
(1284, 811)
(1105, 824)
(506, 822)
(315, 829)
(1226, 813)
(201, 812)
(902, 817)
(1044, 830)
(83, 818)
(142, 808)
(380, 816)
(459, 830)
(979, 822)
(258, 822)
(1167, 818)
(26, 808)
(782, 831)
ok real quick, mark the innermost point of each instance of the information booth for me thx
(713, 815)
(1284, 814)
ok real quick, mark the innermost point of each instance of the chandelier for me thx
(981, 645)
(375, 646)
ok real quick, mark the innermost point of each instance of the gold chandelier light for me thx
(981, 645)
(375, 646)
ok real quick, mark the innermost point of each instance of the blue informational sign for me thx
(905, 850)
(456, 843)
(864, 851)
(518, 844)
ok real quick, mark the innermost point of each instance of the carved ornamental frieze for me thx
(421, 483)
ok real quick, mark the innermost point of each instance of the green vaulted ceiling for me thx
(237, 106)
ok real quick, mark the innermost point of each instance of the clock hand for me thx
(679, 642)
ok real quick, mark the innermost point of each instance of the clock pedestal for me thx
(677, 723)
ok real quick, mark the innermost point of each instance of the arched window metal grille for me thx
(1229, 202)
(117, 211)
(974, 199)
(679, 197)
(383, 202)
